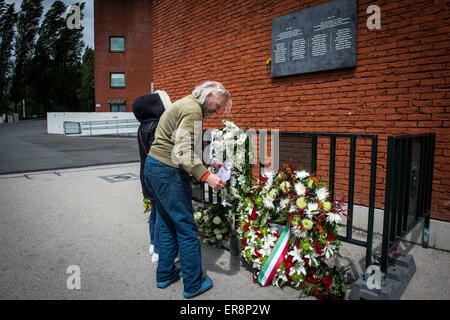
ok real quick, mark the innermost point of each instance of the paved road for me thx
(25, 146)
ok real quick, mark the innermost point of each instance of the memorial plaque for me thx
(314, 39)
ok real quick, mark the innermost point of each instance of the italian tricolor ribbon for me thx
(275, 259)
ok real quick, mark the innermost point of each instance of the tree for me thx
(68, 59)
(8, 18)
(86, 92)
(27, 28)
(57, 61)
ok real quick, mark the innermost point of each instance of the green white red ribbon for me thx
(275, 259)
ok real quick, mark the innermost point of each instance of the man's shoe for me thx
(165, 284)
(205, 286)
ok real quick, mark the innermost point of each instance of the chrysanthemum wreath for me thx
(299, 255)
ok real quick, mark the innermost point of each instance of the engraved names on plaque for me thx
(314, 39)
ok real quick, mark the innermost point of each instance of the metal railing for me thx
(207, 196)
(102, 127)
(333, 148)
(409, 177)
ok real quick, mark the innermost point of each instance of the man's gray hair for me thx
(201, 92)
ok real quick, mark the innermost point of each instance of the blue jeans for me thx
(153, 227)
(172, 193)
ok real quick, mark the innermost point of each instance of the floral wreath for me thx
(216, 222)
(299, 256)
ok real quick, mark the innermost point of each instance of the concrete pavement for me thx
(49, 222)
(54, 220)
(57, 222)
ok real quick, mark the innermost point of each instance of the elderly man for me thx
(171, 161)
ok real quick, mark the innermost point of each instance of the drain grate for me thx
(120, 177)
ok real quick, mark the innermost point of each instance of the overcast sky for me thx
(88, 20)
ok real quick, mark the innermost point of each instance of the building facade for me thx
(123, 53)
(400, 84)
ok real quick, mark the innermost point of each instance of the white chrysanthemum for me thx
(283, 203)
(312, 207)
(297, 232)
(268, 202)
(269, 175)
(301, 174)
(300, 189)
(322, 193)
(333, 217)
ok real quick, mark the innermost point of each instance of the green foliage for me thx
(48, 69)
(86, 91)
(27, 29)
(8, 19)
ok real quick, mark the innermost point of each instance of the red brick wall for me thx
(133, 20)
(400, 85)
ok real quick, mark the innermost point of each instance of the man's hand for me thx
(217, 165)
(215, 182)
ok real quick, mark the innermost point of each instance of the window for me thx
(116, 44)
(117, 80)
(118, 108)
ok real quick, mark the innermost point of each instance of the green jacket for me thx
(174, 137)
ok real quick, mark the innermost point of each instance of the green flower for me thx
(285, 186)
(310, 183)
(217, 220)
(300, 203)
(273, 193)
(307, 224)
(295, 220)
(248, 255)
(297, 277)
(259, 200)
(306, 245)
(327, 205)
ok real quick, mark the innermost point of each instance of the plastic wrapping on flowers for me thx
(295, 197)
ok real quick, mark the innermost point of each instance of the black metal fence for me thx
(409, 174)
(308, 159)
(352, 141)
(409, 177)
